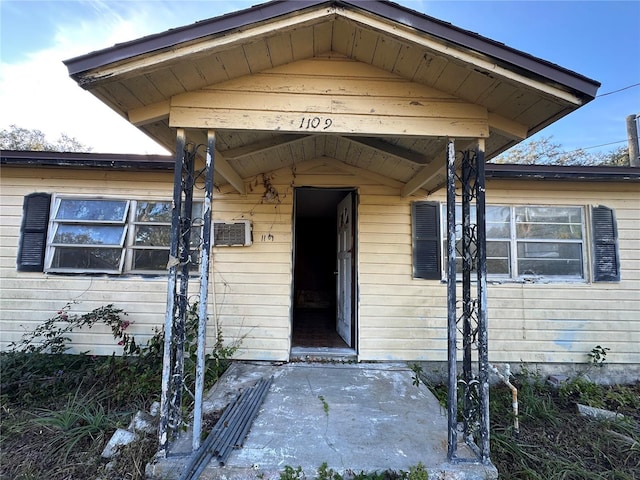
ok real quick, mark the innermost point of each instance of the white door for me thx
(345, 267)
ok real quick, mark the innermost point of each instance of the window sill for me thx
(527, 281)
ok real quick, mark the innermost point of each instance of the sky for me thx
(598, 39)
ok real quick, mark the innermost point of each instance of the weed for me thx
(132, 459)
(440, 392)
(580, 390)
(385, 475)
(416, 368)
(325, 405)
(45, 433)
(536, 400)
(135, 381)
(418, 472)
(216, 361)
(291, 473)
(598, 355)
(82, 420)
(326, 473)
(375, 476)
(51, 335)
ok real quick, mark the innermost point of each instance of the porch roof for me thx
(503, 95)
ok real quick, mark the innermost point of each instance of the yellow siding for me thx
(400, 318)
(335, 90)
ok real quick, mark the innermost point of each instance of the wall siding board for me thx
(400, 318)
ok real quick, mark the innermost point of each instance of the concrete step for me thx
(354, 417)
(323, 354)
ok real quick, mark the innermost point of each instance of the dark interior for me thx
(314, 303)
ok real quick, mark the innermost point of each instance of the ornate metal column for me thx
(181, 261)
(205, 254)
(468, 316)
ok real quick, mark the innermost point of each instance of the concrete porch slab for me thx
(353, 417)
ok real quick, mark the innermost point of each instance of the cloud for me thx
(37, 93)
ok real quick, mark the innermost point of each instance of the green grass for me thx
(58, 411)
(83, 420)
(554, 442)
(416, 472)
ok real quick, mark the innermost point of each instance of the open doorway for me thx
(323, 283)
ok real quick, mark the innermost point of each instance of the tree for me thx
(17, 138)
(545, 152)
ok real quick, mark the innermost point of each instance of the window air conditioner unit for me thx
(231, 234)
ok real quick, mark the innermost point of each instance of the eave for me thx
(562, 173)
(72, 160)
(69, 160)
(432, 26)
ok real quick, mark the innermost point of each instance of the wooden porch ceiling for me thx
(506, 102)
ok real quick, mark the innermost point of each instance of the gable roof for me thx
(516, 93)
(392, 11)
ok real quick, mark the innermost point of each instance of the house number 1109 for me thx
(314, 123)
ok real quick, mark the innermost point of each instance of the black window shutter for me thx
(606, 260)
(426, 240)
(33, 232)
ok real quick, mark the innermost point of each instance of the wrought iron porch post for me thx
(452, 314)
(472, 319)
(177, 311)
(483, 338)
(205, 253)
(170, 313)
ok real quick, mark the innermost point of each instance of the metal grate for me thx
(231, 234)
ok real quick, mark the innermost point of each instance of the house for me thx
(550, 299)
(331, 122)
(340, 137)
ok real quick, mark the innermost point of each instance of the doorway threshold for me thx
(323, 354)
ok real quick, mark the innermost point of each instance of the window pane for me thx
(549, 258)
(160, 212)
(156, 260)
(197, 214)
(498, 258)
(498, 222)
(498, 266)
(498, 214)
(157, 212)
(87, 258)
(89, 234)
(92, 210)
(498, 249)
(153, 235)
(150, 259)
(196, 240)
(549, 222)
(160, 236)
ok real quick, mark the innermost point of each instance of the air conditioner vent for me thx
(231, 234)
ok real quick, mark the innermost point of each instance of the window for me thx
(99, 235)
(151, 236)
(87, 235)
(525, 242)
(531, 241)
(549, 242)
